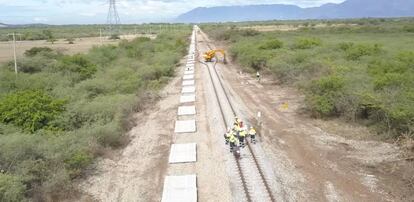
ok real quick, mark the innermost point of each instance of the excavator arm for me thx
(209, 55)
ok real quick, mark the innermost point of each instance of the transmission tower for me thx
(113, 20)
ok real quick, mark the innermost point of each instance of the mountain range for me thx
(346, 9)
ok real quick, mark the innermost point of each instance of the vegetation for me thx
(62, 111)
(361, 71)
(53, 32)
(70, 40)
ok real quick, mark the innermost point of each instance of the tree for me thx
(70, 40)
(31, 110)
(49, 36)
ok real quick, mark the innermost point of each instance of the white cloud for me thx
(130, 11)
(40, 19)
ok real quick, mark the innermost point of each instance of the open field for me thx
(43, 32)
(287, 27)
(81, 45)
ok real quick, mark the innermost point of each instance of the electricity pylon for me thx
(113, 20)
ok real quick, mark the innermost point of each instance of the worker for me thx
(236, 129)
(252, 134)
(227, 135)
(242, 137)
(258, 76)
(238, 121)
(233, 142)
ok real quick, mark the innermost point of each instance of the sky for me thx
(130, 11)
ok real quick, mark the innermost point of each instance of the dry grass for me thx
(81, 45)
(271, 28)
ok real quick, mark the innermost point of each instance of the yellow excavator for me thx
(209, 55)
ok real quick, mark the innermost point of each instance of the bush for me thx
(248, 32)
(77, 161)
(70, 40)
(33, 64)
(78, 64)
(306, 43)
(355, 52)
(397, 72)
(31, 110)
(323, 94)
(322, 105)
(408, 28)
(11, 188)
(271, 44)
(37, 50)
(114, 37)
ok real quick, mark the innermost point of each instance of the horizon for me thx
(81, 12)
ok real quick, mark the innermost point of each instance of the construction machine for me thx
(209, 55)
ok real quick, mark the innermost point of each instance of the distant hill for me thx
(3, 25)
(347, 9)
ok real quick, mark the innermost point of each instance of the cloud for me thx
(40, 19)
(130, 11)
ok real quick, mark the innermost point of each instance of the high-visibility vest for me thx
(242, 133)
(252, 131)
(236, 128)
(228, 134)
(233, 139)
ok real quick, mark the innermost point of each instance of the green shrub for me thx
(31, 110)
(355, 52)
(77, 161)
(114, 37)
(322, 105)
(408, 28)
(78, 64)
(323, 95)
(397, 72)
(33, 64)
(248, 32)
(37, 50)
(271, 44)
(346, 45)
(307, 43)
(11, 188)
(104, 55)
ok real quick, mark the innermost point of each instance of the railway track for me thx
(253, 180)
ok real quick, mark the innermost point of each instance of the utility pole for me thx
(100, 36)
(14, 51)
